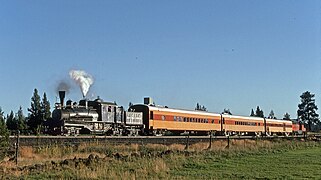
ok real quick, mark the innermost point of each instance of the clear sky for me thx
(223, 54)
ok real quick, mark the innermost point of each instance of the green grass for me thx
(294, 164)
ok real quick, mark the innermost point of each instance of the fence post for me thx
(210, 146)
(228, 141)
(187, 142)
(17, 148)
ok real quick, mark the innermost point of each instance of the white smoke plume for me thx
(83, 79)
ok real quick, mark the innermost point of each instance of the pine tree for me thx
(271, 115)
(252, 113)
(307, 110)
(203, 108)
(227, 111)
(45, 107)
(197, 106)
(21, 120)
(286, 116)
(4, 136)
(259, 112)
(35, 116)
(11, 122)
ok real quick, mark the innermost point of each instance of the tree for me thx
(271, 115)
(200, 107)
(197, 106)
(45, 108)
(11, 122)
(259, 112)
(4, 136)
(21, 120)
(286, 116)
(307, 110)
(16, 121)
(35, 116)
(227, 111)
(203, 108)
(252, 113)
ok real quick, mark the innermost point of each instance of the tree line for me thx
(306, 113)
(259, 113)
(38, 113)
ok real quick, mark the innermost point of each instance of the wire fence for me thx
(39, 142)
(166, 140)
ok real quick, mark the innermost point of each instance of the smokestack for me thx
(148, 101)
(62, 97)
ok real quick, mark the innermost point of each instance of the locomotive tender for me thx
(96, 117)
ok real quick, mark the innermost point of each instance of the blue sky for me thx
(222, 54)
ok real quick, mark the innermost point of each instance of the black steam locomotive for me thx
(95, 117)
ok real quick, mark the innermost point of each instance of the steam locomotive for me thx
(95, 117)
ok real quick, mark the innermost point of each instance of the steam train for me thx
(95, 117)
(99, 117)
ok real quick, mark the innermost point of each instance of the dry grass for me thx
(27, 156)
(30, 155)
(177, 147)
(27, 152)
(198, 147)
(6, 168)
(117, 169)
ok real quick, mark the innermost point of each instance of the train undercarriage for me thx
(100, 128)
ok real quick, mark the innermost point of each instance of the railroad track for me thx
(166, 140)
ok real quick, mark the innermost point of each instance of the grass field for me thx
(294, 164)
(243, 160)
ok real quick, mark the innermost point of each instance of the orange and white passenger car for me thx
(158, 120)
